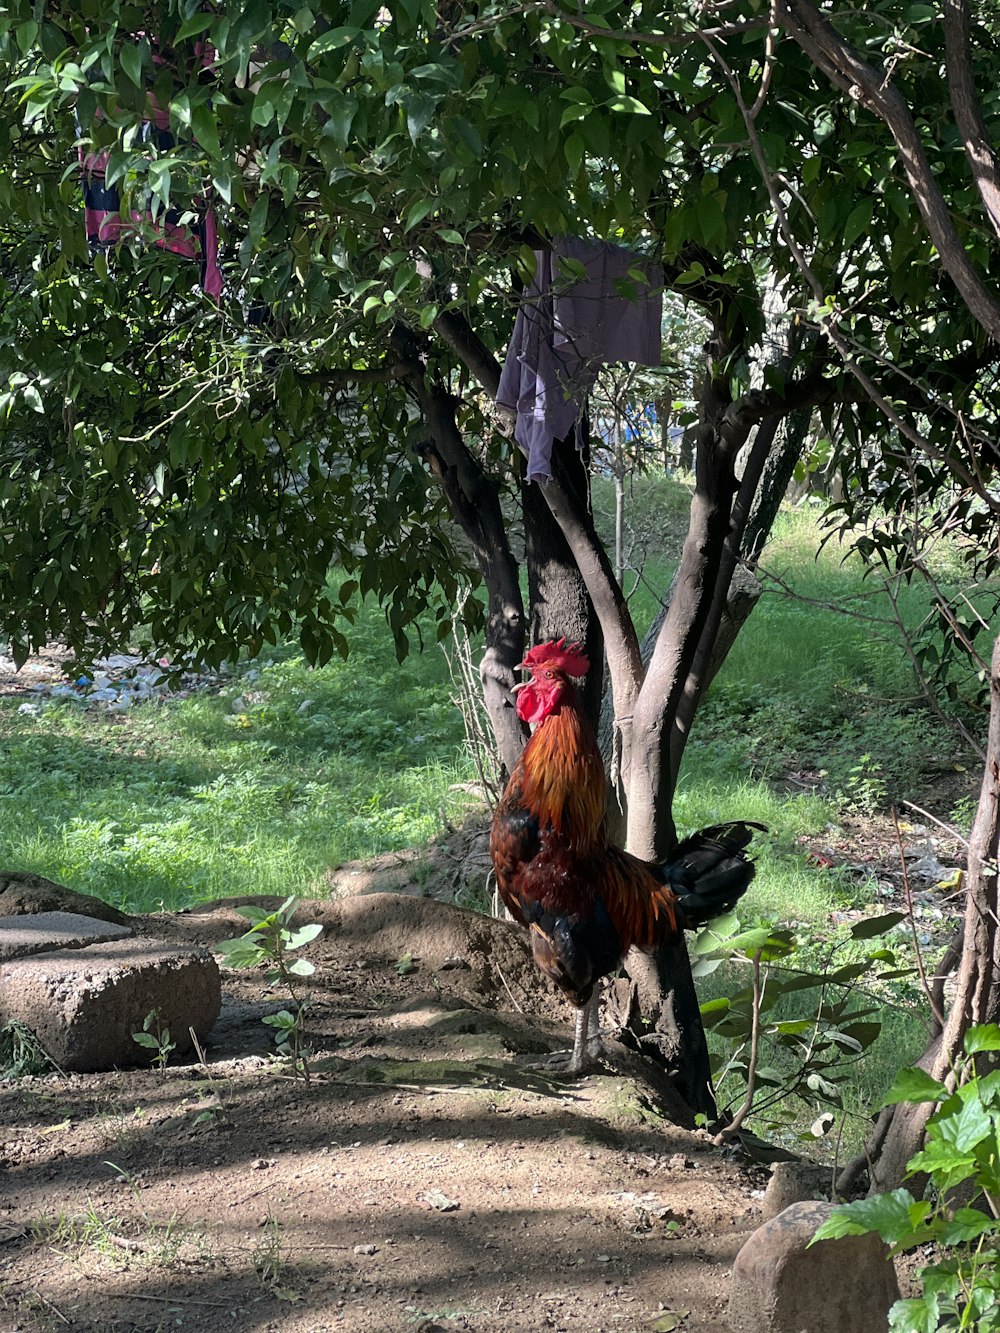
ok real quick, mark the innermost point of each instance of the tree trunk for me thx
(474, 500)
(977, 993)
(557, 595)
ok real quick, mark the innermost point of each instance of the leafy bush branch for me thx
(961, 1160)
(795, 1029)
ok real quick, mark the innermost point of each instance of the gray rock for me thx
(838, 1286)
(85, 1004)
(43, 932)
(794, 1182)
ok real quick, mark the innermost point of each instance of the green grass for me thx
(187, 800)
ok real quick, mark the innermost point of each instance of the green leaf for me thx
(418, 211)
(131, 61)
(204, 127)
(983, 1037)
(704, 967)
(632, 105)
(419, 108)
(963, 1121)
(895, 1216)
(876, 925)
(332, 41)
(859, 221)
(301, 967)
(669, 1320)
(192, 26)
(303, 935)
(914, 1085)
(967, 1224)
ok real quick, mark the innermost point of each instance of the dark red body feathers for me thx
(586, 902)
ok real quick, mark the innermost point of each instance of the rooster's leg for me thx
(587, 1041)
(595, 1045)
(578, 1060)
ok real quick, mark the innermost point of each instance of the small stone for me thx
(439, 1200)
(779, 1285)
(794, 1182)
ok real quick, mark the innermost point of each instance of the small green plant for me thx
(270, 1265)
(796, 1029)
(864, 786)
(21, 1055)
(961, 1157)
(155, 1036)
(269, 942)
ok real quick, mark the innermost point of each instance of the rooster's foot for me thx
(563, 1062)
(587, 1045)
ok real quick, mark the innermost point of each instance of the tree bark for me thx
(968, 116)
(977, 993)
(474, 500)
(557, 594)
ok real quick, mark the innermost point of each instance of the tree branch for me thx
(475, 503)
(871, 87)
(620, 639)
(458, 333)
(968, 117)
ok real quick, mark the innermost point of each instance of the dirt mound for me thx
(22, 893)
(427, 1175)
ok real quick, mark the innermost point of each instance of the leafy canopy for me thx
(191, 472)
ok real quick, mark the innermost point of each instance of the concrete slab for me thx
(84, 1004)
(41, 932)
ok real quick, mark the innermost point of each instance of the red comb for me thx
(559, 654)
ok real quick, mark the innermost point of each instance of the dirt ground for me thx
(426, 1177)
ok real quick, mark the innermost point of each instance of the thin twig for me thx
(507, 988)
(948, 828)
(166, 1299)
(928, 989)
(729, 1130)
(769, 47)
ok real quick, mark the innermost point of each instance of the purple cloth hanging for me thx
(566, 330)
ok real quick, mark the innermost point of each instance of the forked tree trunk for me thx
(652, 715)
(977, 990)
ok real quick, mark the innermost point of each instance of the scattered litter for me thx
(929, 869)
(453, 963)
(115, 683)
(439, 1200)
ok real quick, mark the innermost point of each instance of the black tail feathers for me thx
(710, 871)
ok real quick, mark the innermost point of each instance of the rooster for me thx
(586, 902)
